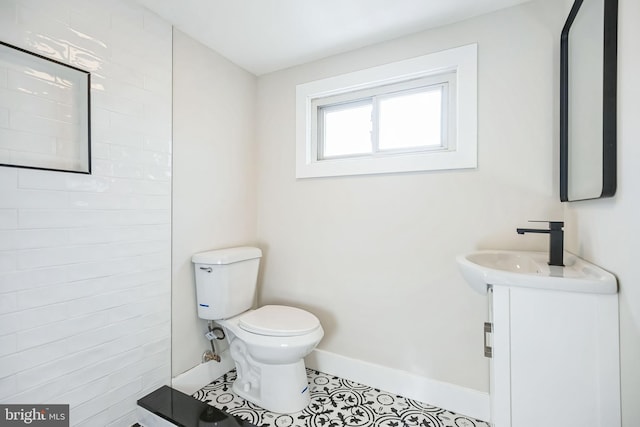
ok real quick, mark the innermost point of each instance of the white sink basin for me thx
(530, 270)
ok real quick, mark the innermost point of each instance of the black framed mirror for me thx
(588, 84)
(49, 104)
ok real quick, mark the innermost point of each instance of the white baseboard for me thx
(461, 400)
(199, 376)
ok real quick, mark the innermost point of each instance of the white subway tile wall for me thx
(85, 259)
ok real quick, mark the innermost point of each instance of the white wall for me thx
(84, 259)
(373, 256)
(214, 180)
(84, 277)
(606, 231)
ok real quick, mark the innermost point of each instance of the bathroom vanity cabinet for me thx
(554, 358)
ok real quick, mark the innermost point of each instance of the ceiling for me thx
(263, 36)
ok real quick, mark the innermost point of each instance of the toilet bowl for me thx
(267, 344)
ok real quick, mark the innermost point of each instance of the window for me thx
(412, 115)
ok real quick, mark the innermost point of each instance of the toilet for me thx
(267, 344)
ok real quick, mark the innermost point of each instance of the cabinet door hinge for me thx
(488, 350)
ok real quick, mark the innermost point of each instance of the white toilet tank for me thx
(226, 281)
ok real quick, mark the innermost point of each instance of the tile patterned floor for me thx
(336, 402)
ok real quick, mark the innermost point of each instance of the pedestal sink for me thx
(531, 270)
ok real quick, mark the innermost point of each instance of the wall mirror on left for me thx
(46, 103)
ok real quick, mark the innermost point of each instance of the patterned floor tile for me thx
(336, 402)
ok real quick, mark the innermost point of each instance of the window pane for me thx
(411, 121)
(347, 131)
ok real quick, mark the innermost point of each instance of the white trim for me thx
(461, 400)
(461, 60)
(199, 376)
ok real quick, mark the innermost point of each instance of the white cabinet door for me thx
(555, 359)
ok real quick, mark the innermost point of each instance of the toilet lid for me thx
(279, 320)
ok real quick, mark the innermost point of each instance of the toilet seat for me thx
(278, 320)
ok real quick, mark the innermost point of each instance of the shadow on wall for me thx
(327, 319)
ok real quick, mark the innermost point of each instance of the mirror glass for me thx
(49, 105)
(588, 93)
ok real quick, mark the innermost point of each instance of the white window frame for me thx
(372, 96)
(460, 64)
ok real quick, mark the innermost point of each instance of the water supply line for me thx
(215, 333)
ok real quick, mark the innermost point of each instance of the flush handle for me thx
(207, 269)
(488, 329)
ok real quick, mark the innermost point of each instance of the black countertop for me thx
(186, 411)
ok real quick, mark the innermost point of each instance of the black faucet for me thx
(556, 240)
